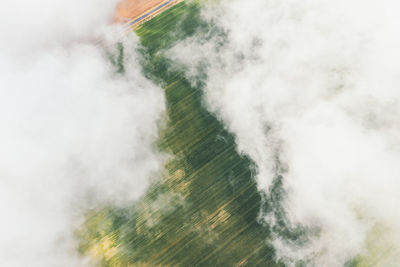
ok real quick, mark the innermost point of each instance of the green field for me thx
(204, 209)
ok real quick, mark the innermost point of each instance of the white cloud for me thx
(72, 131)
(315, 82)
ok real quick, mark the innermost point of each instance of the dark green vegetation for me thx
(204, 209)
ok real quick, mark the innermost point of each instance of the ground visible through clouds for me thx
(204, 210)
(215, 133)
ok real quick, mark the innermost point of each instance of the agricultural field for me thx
(204, 209)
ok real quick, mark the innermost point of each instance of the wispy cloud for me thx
(314, 83)
(74, 132)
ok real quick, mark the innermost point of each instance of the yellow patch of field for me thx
(105, 249)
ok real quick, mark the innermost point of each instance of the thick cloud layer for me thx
(315, 83)
(74, 132)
